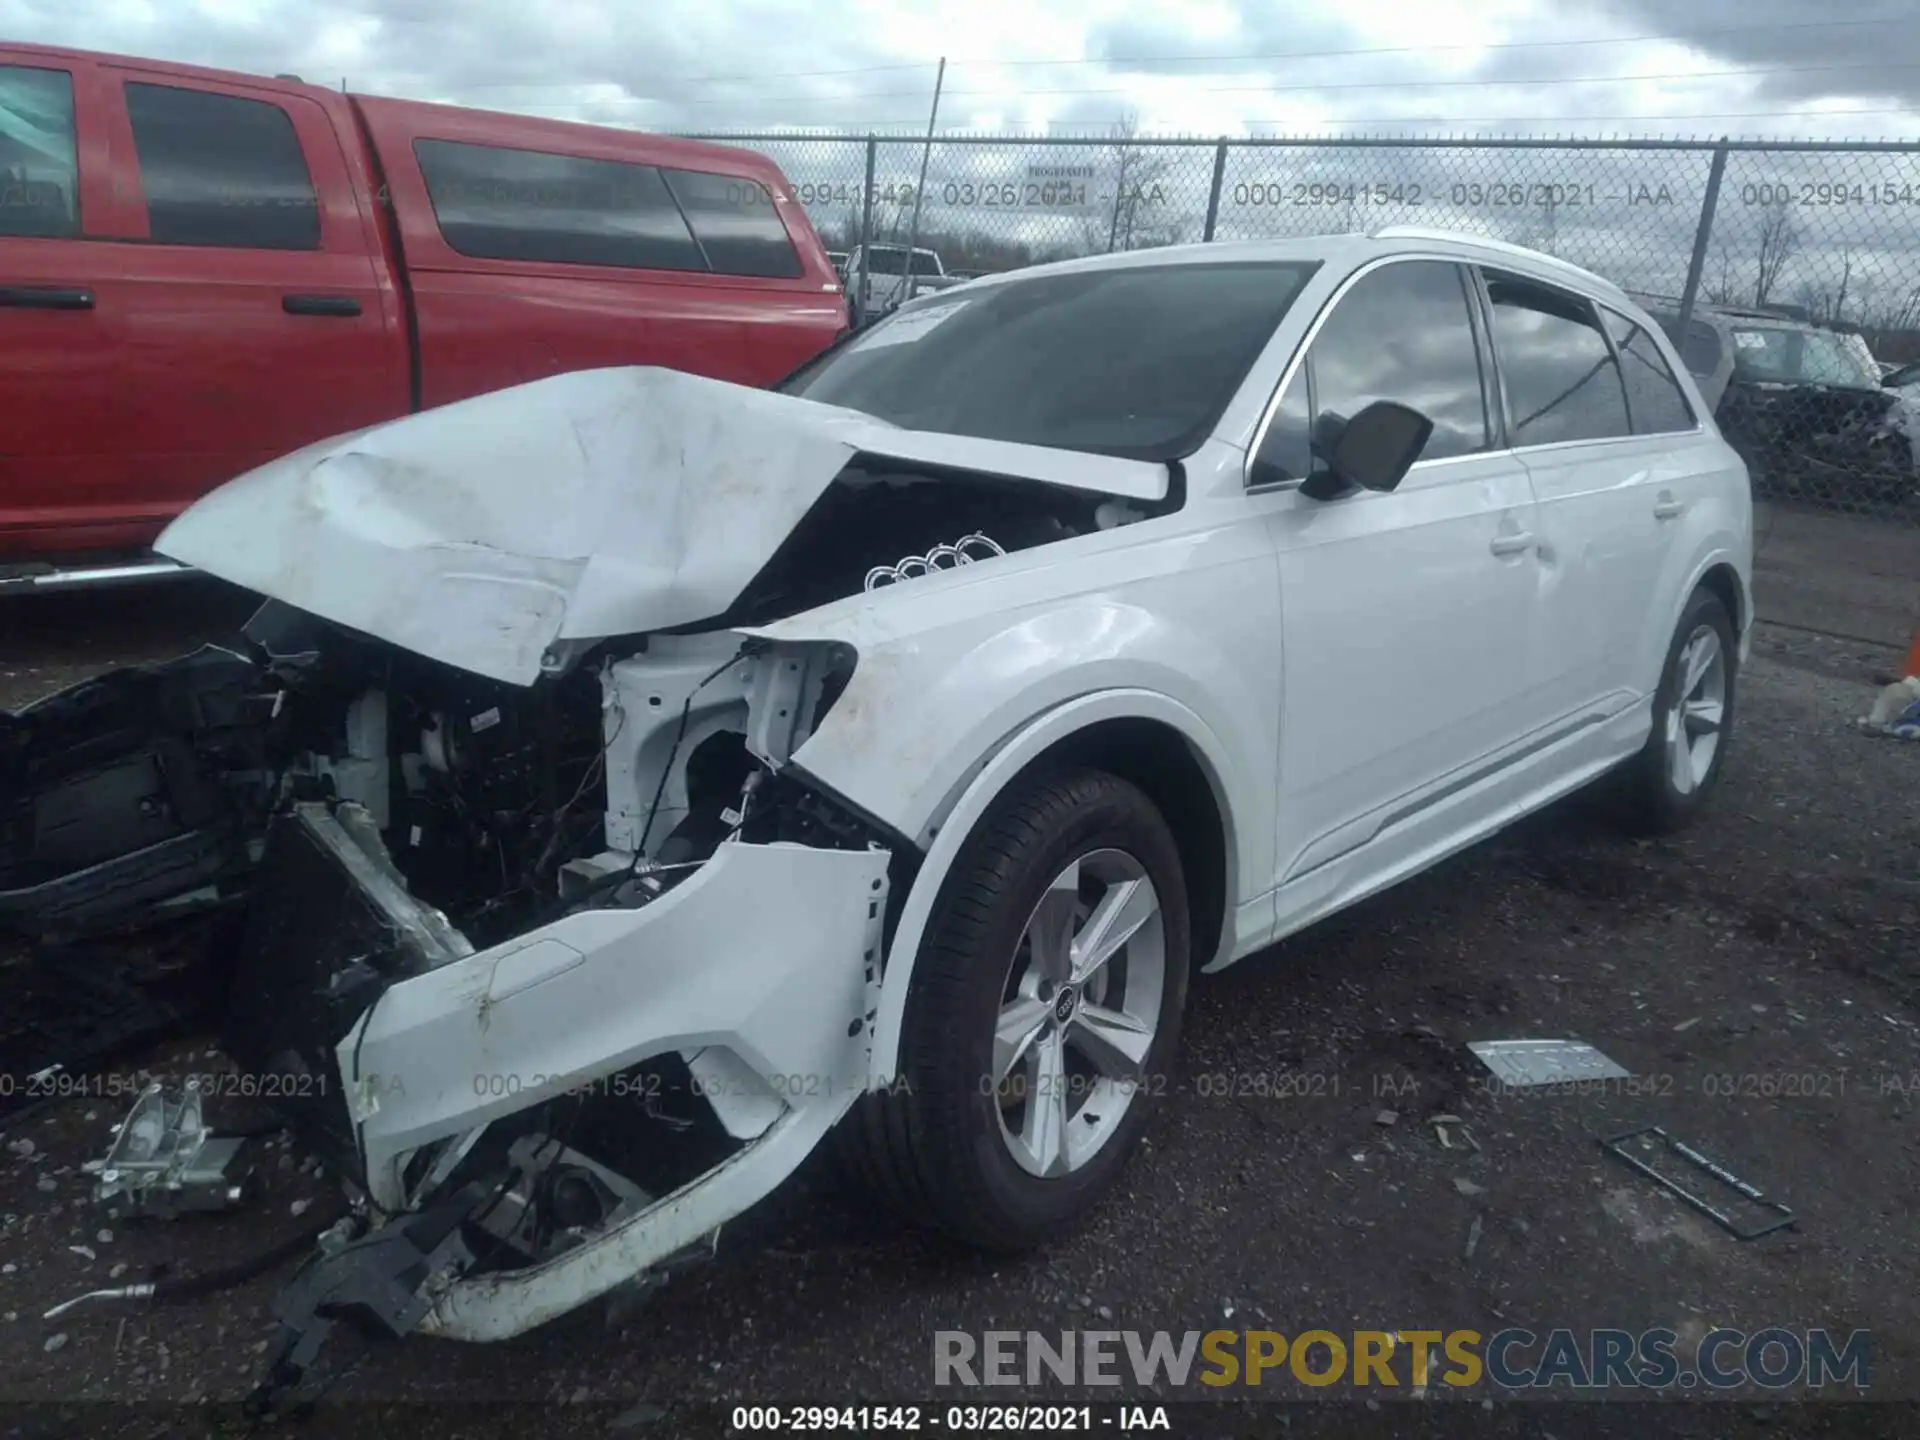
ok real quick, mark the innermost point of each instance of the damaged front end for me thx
(573, 971)
(526, 924)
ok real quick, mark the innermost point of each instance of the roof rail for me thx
(1498, 247)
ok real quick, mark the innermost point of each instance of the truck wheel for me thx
(1664, 786)
(1043, 1012)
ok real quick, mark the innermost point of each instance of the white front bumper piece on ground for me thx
(761, 970)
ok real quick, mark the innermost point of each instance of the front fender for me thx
(925, 711)
(993, 776)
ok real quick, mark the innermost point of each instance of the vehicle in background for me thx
(1903, 378)
(877, 277)
(1802, 402)
(838, 259)
(201, 271)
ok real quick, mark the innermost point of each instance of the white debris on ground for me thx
(1896, 711)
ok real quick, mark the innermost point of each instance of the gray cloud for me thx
(686, 67)
(1886, 53)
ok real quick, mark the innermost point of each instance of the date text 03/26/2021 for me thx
(1108, 1419)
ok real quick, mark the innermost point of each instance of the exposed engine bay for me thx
(471, 924)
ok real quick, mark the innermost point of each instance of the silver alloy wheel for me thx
(1079, 1012)
(1698, 712)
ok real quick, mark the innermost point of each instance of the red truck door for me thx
(249, 298)
(57, 392)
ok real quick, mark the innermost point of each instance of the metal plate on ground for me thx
(1520, 1063)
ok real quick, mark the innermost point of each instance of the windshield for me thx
(884, 261)
(1800, 357)
(1137, 361)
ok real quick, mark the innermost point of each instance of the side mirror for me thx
(1372, 451)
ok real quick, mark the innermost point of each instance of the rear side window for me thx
(39, 178)
(1655, 402)
(221, 170)
(496, 204)
(736, 224)
(1559, 374)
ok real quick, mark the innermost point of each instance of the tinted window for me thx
(892, 260)
(39, 180)
(221, 170)
(528, 205)
(736, 224)
(1137, 361)
(1403, 333)
(1560, 378)
(1655, 401)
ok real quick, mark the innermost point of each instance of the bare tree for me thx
(1139, 190)
(1837, 306)
(1828, 303)
(1779, 241)
(1722, 289)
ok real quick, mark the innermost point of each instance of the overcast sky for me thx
(1759, 67)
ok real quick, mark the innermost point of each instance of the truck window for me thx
(736, 224)
(221, 170)
(498, 204)
(892, 260)
(39, 179)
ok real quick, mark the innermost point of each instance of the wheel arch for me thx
(1717, 575)
(1143, 737)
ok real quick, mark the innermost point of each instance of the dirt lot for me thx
(1760, 976)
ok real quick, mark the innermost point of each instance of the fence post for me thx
(1213, 195)
(1700, 238)
(866, 228)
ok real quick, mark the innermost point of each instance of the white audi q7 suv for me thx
(631, 778)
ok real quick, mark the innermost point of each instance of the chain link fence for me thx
(1789, 272)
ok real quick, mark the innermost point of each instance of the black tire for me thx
(930, 1144)
(1643, 790)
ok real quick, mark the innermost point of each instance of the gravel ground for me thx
(1759, 975)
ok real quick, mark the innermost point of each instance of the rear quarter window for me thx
(493, 203)
(736, 224)
(1655, 401)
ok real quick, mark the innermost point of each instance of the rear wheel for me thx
(1663, 786)
(1042, 1014)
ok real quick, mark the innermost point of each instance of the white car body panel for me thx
(601, 502)
(1366, 684)
(723, 960)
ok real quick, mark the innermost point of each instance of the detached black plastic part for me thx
(377, 1280)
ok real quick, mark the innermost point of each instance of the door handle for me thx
(1667, 509)
(45, 297)
(1514, 544)
(344, 305)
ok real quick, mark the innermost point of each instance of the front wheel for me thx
(1041, 1017)
(1662, 787)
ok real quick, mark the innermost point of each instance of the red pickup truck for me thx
(200, 271)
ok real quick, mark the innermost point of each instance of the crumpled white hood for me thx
(603, 502)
